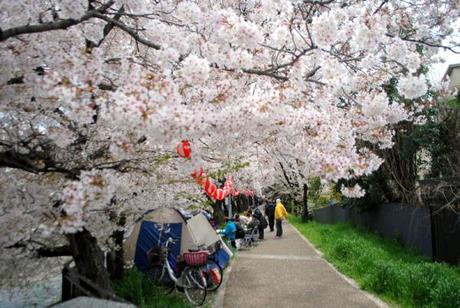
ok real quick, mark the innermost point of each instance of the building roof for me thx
(450, 69)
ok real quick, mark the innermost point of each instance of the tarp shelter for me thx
(156, 226)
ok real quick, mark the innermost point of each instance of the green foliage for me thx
(317, 199)
(135, 287)
(454, 104)
(436, 137)
(384, 267)
(229, 168)
(374, 195)
(314, 188)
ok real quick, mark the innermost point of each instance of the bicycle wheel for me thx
(194, 286)
(213, 274)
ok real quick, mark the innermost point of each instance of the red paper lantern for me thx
(207, 183)
(211, 189)
(219, 194)
(196, 172)
(201, 179)
(183, 149)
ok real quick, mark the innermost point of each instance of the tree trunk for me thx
(218, 213)
(305, 203)
(380, 178)
(115, 260)
(89, 258)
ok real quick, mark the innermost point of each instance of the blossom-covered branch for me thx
(50, 26)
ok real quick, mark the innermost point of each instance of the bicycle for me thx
(191, 279)
(213, 273)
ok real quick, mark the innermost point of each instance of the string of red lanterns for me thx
(184, 150)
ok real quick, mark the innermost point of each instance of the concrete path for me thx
(288, 272)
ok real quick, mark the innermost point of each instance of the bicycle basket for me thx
(196, 258)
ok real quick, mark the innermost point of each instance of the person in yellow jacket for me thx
(280, 214)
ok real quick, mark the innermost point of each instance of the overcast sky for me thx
(449, 57)
(439, 69)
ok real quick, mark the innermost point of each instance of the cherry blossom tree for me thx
(96, 94)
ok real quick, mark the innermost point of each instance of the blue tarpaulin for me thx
(221, 257)
(152, 235)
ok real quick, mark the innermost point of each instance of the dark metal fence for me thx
(446, 240)
(434, 233)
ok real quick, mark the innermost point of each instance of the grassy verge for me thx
(138, 289)
(398, 275)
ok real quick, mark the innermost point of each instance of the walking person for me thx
(280, 214)
(270, 213)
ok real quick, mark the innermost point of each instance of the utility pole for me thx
(228, 202)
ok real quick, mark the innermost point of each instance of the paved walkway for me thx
(288, 273)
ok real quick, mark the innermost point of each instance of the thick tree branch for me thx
(58, 25)
(273, 72)
(60, 251)
(426, 43)
(128, 30)
(45, 252)
(380, 6)
(33, 162)
(285, 175)
(107, 28)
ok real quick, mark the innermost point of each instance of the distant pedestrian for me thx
(280, 214)
(270, 213)
(262, 222)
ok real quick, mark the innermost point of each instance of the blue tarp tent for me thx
(151, 235)
(156, 226)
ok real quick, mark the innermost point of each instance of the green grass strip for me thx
(136, 288)
(398, 275)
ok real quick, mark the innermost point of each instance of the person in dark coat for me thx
(253, 221)
(270, 213)
(262, 222)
